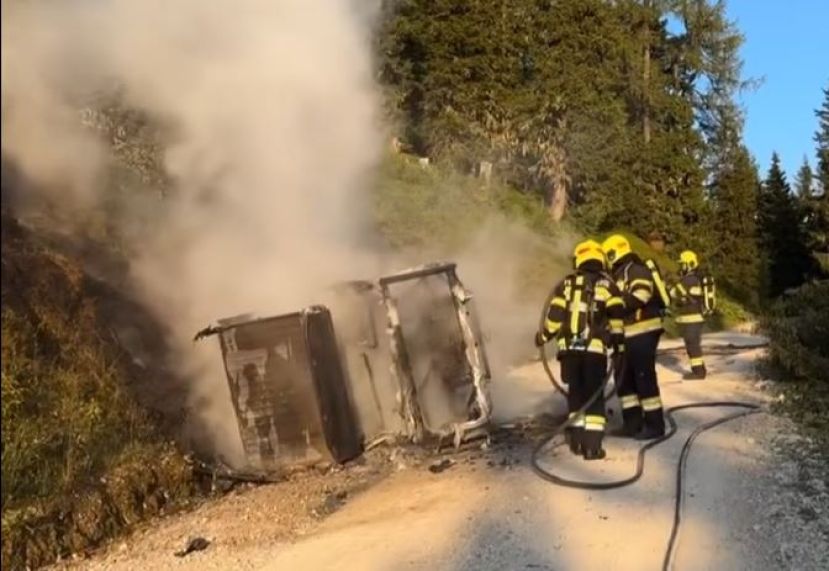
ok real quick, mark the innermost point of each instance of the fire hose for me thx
(748, 409)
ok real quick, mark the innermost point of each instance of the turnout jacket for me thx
(689, 295)
(585, 314)
(643, 306)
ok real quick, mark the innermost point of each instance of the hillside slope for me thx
(82, 459)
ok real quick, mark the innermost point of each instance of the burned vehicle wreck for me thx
(401, 358)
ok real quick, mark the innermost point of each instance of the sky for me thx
(787, 45)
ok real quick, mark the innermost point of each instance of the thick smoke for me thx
(268, 111)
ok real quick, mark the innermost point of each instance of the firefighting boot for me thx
(650, 433)
(592, 445)
(631, 422)
(653, 427)
(573, 435)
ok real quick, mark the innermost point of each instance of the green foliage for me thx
(558, 95)
(729, 314)
(67, 419)
(804, 182)
(819, 205)
(735, 256)
(423, 207)
(822, 140)
(436, 211)
(783, 234)
(797, 327)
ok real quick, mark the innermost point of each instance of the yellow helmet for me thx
(588, 250)
(616, 247)
(688, 261)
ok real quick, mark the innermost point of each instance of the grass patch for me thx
(431, 206)
(80, 459)
(437, 212)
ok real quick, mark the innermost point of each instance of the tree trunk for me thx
(557, 193)
(557, 200)
(646, 74)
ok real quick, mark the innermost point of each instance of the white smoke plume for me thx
(269, 115)
(269, 107)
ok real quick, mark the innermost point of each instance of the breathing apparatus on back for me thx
(689, 262)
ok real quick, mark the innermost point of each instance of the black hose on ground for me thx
(750, 408)
(683, 461)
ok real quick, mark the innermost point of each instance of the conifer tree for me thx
(820, 208)
(735, 256)
(822, 140)
(782, 234)
(804, 183)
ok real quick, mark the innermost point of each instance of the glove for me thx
(539, 339)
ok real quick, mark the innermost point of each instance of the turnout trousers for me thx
(692, 335)
(584, 373)
(638, 387)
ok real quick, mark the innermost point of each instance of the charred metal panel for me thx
(438, 353)
(288, 389)
(360, 320)
(413, 354)
(407, 360)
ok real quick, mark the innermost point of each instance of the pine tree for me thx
(822, 140)
(782, 234)
(804, 183)
(735, 256)
(708, 71)
(820, 209)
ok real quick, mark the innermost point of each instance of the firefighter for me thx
(645, 299)
(690, 310)
(585, 319)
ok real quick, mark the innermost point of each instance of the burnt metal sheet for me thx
(407, 360)
(290, 396)
(360, 321)
(437, 350)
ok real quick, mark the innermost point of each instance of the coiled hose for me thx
(748, 408)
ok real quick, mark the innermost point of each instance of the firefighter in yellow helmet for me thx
(585, 319)
(645, 299)
(689, 299)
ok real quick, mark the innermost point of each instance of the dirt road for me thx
(749, 503)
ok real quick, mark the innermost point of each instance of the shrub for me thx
(798, 330)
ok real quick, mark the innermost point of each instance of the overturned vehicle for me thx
(401, 358)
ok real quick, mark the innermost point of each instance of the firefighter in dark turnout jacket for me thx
(644, 295)
(690, 309)
(585, 319)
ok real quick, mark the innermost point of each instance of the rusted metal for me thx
(288, 389)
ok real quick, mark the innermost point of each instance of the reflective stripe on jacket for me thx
(688, 295)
